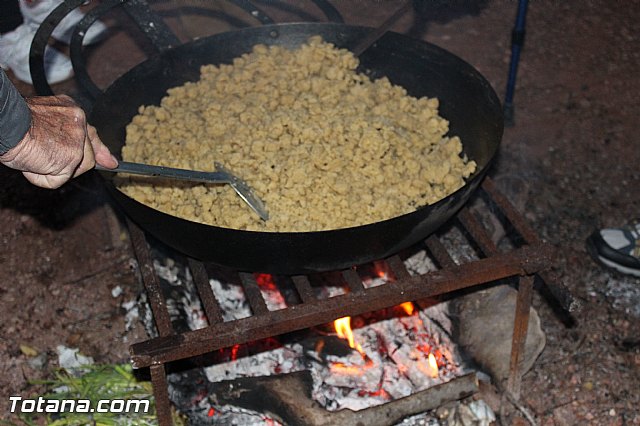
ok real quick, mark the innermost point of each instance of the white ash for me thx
(287, 359)
(146, 315)
(71, 358)
(420, 263)
(168, 272)
(397, 349)
(273, 298)
(230, 415)
(394, 368)
(460, 413)
(231, 299)
(457, 244)
(116, 291)
(234, 304)
(328, 291)
(394, 365)
(624, 294)
(132, 314)
(186, 300)
(370, 282)
(437, 316)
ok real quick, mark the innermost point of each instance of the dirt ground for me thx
(572, 158)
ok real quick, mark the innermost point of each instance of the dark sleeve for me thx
(15, 116)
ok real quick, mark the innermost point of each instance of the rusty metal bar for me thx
(161, 394)
(516, 219)
(520, 328)
(398, 268)
(209, 302)
(477, 232)
(150, 279)
(558, 290)
(439, 252)
(197, 342)
(303, 287)
(253, 293)
(353, 280)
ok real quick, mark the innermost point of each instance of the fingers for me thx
(88, 158)
(46, 181)
(59, 145)
(102, 154)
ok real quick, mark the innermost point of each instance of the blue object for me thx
(517, 41)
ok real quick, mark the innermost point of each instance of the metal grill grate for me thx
(530, 258)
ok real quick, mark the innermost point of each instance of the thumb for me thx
(102, 154)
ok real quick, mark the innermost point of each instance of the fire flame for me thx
(348, 370)
(266, 282)
(343, 329)
(380, 269)
(234, 352)
(433, 366)
(408, 307)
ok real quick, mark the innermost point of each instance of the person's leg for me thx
(14, 56)
(16, 44)
(35, 11)
(617, 248)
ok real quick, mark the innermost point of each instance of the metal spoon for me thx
(221, 175)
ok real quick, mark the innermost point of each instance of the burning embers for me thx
(357, 363)
(392, 358)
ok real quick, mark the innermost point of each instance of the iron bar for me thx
(520, 328)
(477, 231)
(440, 253)
(558, 290)
(398, 268)
(353, 281)
(198, 342)
(253, 293)
(515, 218)
(150, 279)
(161, 394)
(303, 287)
(209, 302)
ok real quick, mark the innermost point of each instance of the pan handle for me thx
(40, 42)
(146, 19)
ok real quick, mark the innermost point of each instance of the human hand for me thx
(59, 145)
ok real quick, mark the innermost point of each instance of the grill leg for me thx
(520, 327)
(161, 395)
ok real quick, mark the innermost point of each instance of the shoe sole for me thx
(593, 251)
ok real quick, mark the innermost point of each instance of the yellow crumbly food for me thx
(323, 146)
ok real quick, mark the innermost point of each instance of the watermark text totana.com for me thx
(46, 405)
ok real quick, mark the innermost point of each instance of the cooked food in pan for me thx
(325, 147)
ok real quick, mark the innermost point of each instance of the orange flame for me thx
(380, 269)
(347, 370)
(343, 329)
(234, 352)
(433, 366)
(408, 307)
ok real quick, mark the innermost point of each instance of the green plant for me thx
(93, 383)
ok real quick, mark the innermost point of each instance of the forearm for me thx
(15, 116)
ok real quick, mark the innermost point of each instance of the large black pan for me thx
(466, 100)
